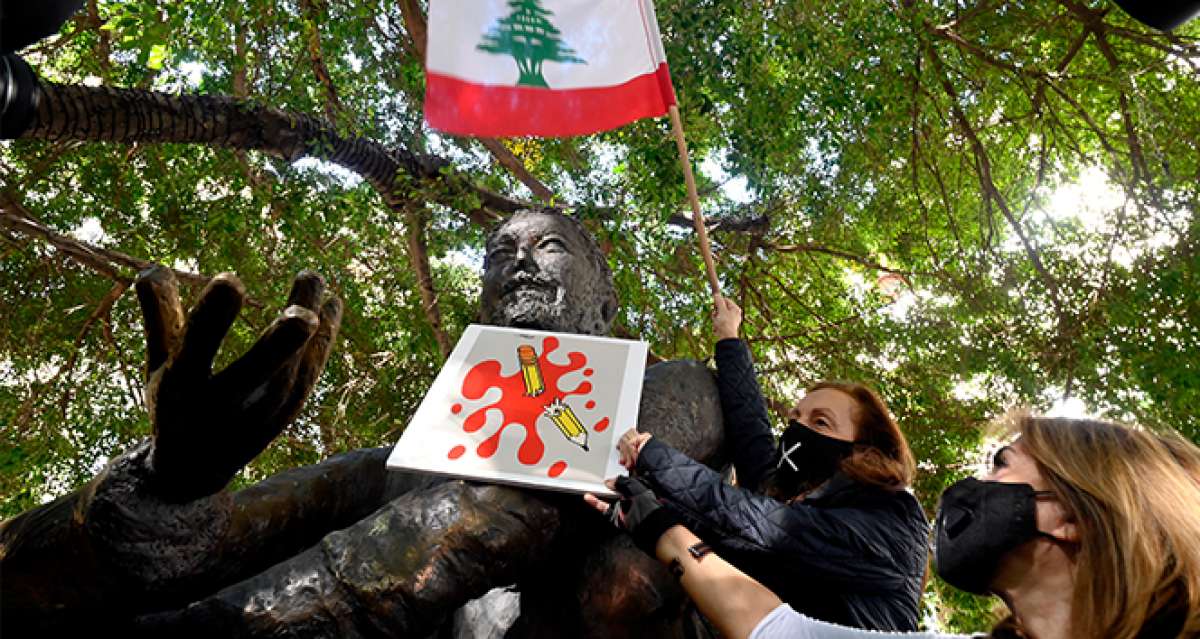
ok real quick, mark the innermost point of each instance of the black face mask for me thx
(978, 522)
(807, 458)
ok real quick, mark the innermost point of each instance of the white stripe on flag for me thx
(610, 35)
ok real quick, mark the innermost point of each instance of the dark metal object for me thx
(23, 22)
(342, 548)
(1163, 15)
(155, 529)
(398, 572)
(19, 96)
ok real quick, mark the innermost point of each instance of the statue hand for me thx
(208, 425)
(154, 529)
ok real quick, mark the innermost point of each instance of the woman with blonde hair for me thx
(1116, 545)
(1085, 529)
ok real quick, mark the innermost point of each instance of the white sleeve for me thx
(785, 623)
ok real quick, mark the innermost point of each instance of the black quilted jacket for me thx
(847, 553)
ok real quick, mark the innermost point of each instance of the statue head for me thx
(543, 270)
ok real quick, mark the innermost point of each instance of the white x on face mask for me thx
(810, 456)
(786, 457)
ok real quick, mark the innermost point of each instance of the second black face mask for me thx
(807, 458)
(978, 522)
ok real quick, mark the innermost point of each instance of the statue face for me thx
(540, 274)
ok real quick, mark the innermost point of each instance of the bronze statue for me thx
(155, 543)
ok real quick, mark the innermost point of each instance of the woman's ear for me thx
(1066, 530)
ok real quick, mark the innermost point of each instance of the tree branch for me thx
(132, 115)
(312, 18)
(102, 310)
(1040, 93)
(788, 290)
(107, 262)
(751, 225)
(414, 214)
(1141, 173)
(418, 256)
(36, 388)
(515, 166)
(980, 7)
(983, 167)
(809, 247)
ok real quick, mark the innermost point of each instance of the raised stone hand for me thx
(155, 529)
(207, 425)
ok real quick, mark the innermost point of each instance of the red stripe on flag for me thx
(465, 108)
(664, 84)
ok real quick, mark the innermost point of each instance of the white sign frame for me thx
(437, 430)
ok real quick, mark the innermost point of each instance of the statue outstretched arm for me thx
(398, 572)
(403, 569)
(156, 527)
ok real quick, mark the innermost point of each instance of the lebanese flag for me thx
(501, 68)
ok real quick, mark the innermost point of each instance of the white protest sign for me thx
(527, 407)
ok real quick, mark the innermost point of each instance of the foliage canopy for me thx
(966, 205)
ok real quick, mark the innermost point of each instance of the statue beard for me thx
(534, 303)
(538, 302)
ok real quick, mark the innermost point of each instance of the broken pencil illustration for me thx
(567, 422)
(531, 371)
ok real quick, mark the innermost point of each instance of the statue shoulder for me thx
(680, 404)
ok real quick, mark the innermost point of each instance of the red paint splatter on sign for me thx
(516, 408)
(557, 468)
(457, 452)
(456, 409)
(601, 425)
(587, 372)
(590, 404)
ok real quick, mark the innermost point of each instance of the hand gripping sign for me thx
(527, 407)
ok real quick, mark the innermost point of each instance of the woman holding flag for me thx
(824, 518)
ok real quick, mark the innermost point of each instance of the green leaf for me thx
(158, 54)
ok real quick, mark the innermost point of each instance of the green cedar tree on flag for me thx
(498, 68)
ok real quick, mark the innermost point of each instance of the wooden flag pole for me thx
(697, 216)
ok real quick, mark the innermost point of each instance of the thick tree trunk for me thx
(105, 114)
(129, 115)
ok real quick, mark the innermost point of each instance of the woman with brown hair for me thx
(823, 518)
(1085, 529)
